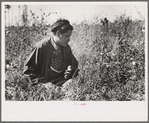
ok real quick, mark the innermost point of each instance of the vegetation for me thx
(111, 60)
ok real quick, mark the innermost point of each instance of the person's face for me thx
(64, 38)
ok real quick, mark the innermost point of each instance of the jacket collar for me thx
(56, 46)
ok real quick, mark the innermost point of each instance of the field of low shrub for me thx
(111, 60)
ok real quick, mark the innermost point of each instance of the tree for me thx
(7, 7)
(19, 15)
(25, 16)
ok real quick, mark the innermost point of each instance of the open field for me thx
(111, 60)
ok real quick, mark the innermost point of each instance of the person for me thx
(51, 59)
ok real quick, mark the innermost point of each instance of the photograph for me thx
(74, 52)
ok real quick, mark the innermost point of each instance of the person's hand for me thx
(68, 73)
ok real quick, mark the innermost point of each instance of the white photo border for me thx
(71, 110)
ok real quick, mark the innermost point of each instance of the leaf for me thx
(30, 99)
(22, 94)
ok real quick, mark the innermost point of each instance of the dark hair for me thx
(61, 25)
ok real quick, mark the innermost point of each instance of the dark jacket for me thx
(38, 63)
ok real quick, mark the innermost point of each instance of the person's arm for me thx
(74, 63)
(72, 68)
(32, 65)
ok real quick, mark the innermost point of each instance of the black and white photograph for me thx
(74, 53)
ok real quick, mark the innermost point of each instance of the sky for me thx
(78, 11)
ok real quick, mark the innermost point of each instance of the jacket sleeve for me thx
(74, 62)
(33, 63)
